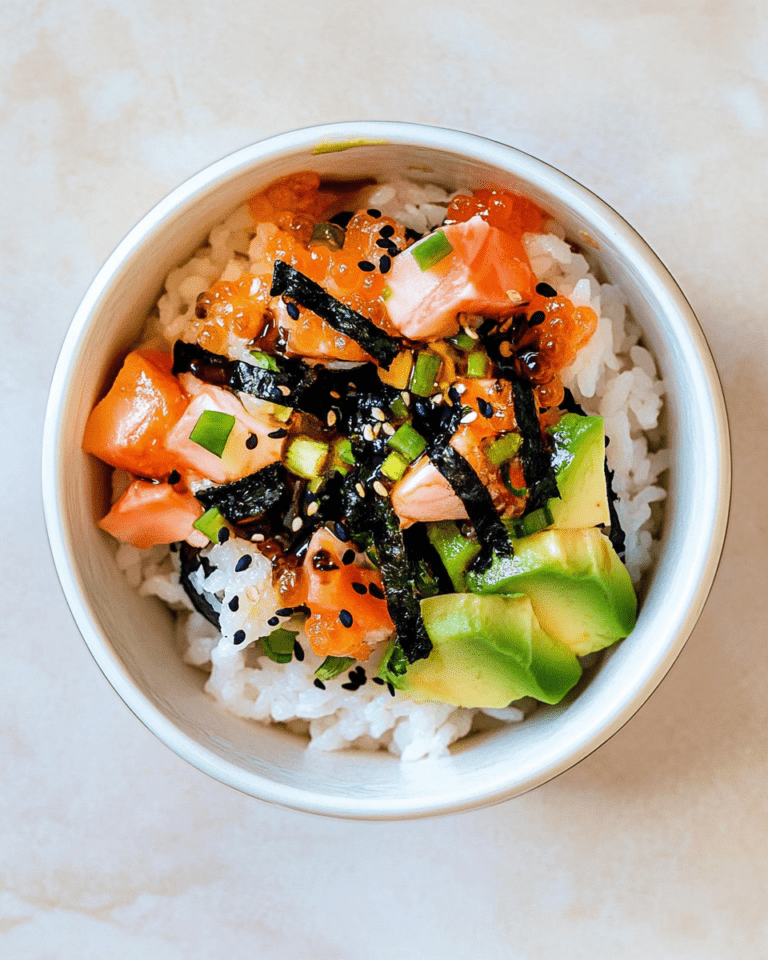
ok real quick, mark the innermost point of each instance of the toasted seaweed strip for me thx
(287, 281)
(616, 534)
(190, 560)
(491, 532)
(285, 386)
(249, 497)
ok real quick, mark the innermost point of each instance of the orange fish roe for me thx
(229, 306)
(510, 212)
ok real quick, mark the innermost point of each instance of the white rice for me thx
(614, 376)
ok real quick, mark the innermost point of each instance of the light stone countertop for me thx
(656, 846)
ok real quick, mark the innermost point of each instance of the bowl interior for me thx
(132, 638)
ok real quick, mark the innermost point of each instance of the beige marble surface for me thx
(111, 846)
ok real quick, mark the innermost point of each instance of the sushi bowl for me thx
(133, 638)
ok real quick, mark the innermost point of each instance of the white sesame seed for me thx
(406, 398)
(368, 433)
(331, 418)
(506, 349)
(388, 429)
(360, 489)
(284, 390)
(514, 296)
(472, 334)
(469, 417)
(379, 414)
(377, 430)
(460, 388)
(437, 399)
(297, 524)
(258, 538)
(335, 395)
(379, 487)
(313, 508)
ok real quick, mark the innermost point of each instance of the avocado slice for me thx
(486, 652)
(580, 590)
(579, 463)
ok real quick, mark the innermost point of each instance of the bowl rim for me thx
(482, 150)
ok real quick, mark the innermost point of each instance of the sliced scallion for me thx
(306, 457)
(264, 361)
(478, 364)
(463, 341)
(278, 646)
(408, 442)
(398, 408)
(210, 523)
(530, 523)
(425, 371)
(332, 666)
(504, 448)
(212, 431)
(394, 466)
(432, 250)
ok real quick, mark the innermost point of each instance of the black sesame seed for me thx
(292, 310)
(544, 290)
(391, 689)
(174, 547)
(234, 603)
(348, 557)
(485, 408)
(298, 651)
(349, 686)
(252, 442)
(223, 535)
(284, 612)
(376, 591)
(341, 531)
(536, 318)
(385, 264)
(387, 230)
(346, 618)
(366, 265)
(302, 608)
(174, 477)
(278, 434)
(243, 563)
(342, 219)
(359, 588)
(239, 636)
(273, 621)
(383, 243)
(373, 212)
(319, 684)
(378, 680)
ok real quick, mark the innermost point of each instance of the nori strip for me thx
(287, 281)
(292, 375)
(536, 460)
(190, 559)
(616, 534)
(249, 497)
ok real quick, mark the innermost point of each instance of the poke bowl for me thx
(143, 615)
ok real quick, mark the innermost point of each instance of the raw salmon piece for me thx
(152, 513)
(127, 428)
(486, 272)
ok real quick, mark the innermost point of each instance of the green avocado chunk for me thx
(580, 590)
(487, 652)
(579, 463)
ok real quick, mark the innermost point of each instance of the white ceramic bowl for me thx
(132, 638)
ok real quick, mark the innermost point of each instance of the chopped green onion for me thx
(463, 341)
(505, 476)
(315, 484)
(332, 666)
(407, 442)
(386, 293)
(212, 431)
(306, 457)
(530, 523)
(394, 466)
(399, 409)
(210, 523)
(344, 451)
(432, 250)
(278, 646)
(329, 235)
(425, 371)
(504, 448)
(394, 662)
(478, 364)
(264, 361)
